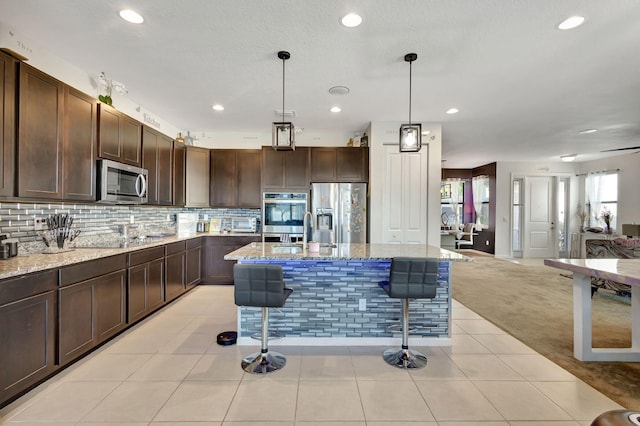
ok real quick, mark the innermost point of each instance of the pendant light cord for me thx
(283, 80)
(410, 79)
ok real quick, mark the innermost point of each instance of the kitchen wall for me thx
(17, 220)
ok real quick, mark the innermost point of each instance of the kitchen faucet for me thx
(304, 228)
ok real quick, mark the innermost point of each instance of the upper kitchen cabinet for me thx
(157, 159)
(197, 177)
(179, 158)
(339, 164)
(119, 136)
(56, 139)
(235, 178)
(7, 123)
(288, 170)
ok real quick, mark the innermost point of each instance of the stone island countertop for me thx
(280, 251)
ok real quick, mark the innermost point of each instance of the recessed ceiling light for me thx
(335, 109)
(131, 16)
(571, 23)
(218, 107)
(587, 131)
(569, 157)
(351, 20)
(452, 110)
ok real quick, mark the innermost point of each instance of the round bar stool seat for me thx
(262, 286)
(415, 278)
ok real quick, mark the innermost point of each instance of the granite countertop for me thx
(28, 263)
(280, 251)
(625, 271)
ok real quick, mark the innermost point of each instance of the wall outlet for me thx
(362, 304)
(40, 224)
(131, 219)
(486, 243)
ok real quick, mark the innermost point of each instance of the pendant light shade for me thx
(410, 134)
(283, 132)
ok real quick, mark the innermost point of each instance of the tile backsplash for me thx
(18, 220)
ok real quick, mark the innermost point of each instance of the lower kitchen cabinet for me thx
(27, 331)
(193, 262)
(145, 288)
(216, 270)
(175, 264)
(91, 305)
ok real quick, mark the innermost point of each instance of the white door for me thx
(539, 217)
(405, 196)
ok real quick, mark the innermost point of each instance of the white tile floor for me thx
(169, 370)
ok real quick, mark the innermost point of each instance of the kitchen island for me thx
(336, 299)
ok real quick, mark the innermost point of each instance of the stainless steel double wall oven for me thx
(283, 214)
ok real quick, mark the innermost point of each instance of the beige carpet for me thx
(534, 304)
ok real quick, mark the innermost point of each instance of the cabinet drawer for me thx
(13, 289)
(176, 247)
(194, 243)
(146, 255)
(95, 268)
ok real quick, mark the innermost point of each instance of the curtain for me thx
(479, 185)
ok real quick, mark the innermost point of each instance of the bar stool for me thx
(261, 285)
(415, 278)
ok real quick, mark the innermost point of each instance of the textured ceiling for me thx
(523, 87)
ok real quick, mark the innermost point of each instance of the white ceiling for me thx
(524, 88)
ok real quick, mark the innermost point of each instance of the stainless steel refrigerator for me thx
(339, 212)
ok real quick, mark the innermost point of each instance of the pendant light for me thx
(410, 134)
(283, 132)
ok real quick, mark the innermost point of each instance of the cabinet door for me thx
(194, 266)
(179, 151)
(39, 135)
(27, 333)
(197, 177)
(7, 123)
(248, 175)
(352, 164)
(165, 170)
(224, 189)
(145, 289)
(272, 168)
(150, 162)
(109, 146)
(175, 270)
(79, 153)
(131, 140)
(110, 304)
(296, 168)
(323, 164)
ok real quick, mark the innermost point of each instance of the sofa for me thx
(617, 248)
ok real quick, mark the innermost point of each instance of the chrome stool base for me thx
(404, 358)
(263, 363)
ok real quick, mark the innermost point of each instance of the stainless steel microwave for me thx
(120, 183)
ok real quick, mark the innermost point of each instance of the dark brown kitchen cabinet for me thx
(339, 164)
(157, 155)
(119, 136)
(179, 157)
(216, 270)
(197, 177)
(56, 139)
(8, 66)
(285, 170)
(91, 305)
(145, 288)
(175, 266)
(27, 331)
(236, 178)
(193, 259)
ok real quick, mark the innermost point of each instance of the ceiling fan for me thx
(621, 149)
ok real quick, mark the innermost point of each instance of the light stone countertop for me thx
(625, 271)
(291, 251)
(28, 263)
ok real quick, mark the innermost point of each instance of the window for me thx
(480, 187)
(451, 202)
(602, 199)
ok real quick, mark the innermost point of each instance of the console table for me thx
(625, 271)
